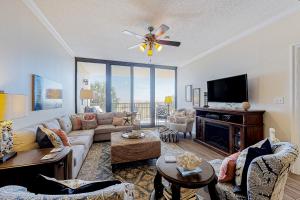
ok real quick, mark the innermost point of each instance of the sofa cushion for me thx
(65, 123)
(82, 132)
(105, 118)
(52, 124)
(78, 157)
(120, 114)
(86, 140)
(25, 139)
(111, 128)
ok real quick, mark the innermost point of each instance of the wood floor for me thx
(292, 188)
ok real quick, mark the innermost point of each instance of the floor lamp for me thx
(168, 102)
(86, 94)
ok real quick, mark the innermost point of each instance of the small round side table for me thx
(169, 171)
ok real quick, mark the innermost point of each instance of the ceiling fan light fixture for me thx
(150, 52)
(143, 46)
(158, 47)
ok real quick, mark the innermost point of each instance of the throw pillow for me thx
(76, 122)
(253, 153)
(63, 136)
(89, 124)
(89, 116)
(127, 121)
(241, 162)
(47, 138)
(118, 121)
(65, 124)
(227, 169)
(51, 186)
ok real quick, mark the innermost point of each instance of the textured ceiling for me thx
(93, 28)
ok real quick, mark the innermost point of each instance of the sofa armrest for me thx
(267, 174)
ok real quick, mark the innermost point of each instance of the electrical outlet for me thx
(279, 100)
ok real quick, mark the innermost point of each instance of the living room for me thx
(148, 71)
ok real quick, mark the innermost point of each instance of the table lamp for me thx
(168, 101)
(86, 94)
(11, 107)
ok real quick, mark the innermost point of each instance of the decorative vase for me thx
(246, 106)
(188, 161)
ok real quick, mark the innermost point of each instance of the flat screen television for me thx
(228, 90)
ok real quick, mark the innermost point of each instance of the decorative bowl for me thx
(188, 161)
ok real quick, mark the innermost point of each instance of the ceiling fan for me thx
(151, 40)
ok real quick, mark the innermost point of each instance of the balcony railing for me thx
(143, 109)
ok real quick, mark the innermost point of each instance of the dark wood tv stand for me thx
(228, 131)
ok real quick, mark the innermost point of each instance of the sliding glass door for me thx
(164, 93)
(141, 93)
(91, 86)
(120, 88)
(116, 86)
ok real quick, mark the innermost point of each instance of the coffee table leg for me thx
(212, 189)
(158, 186)
(175, 192)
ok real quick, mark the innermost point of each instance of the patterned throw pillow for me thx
(90, 116)
(227, 169)
(118, 121)
(47, 138)
(89, 124)
(240, 163)
(76, 122)
(63, 136)
(65, 124)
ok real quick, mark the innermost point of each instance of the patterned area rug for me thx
(97, 166)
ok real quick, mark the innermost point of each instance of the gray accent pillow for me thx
(65, 123)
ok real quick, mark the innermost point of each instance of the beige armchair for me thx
(182, 121)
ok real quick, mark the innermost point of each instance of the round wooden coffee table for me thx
(169, 171)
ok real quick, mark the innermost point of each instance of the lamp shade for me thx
(12, 106)
(168, 100)
(86, 94)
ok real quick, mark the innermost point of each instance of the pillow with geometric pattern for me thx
(47, 138)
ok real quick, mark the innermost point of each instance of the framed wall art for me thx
(46, 94)
(196, 97)
(188, 93)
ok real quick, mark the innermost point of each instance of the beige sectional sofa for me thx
(81, 140)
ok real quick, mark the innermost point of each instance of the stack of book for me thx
(185, 172)
(185, 194)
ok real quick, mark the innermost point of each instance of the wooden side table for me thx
(23, 169)
(168, 170)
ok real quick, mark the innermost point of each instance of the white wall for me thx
(27, 48)
(266, 57)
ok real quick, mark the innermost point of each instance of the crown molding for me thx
(243, 34)
(42, 18)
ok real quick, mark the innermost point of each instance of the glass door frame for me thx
(132, 65)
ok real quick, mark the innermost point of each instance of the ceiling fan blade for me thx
(161, 30)
(170, 43)
(133, 34)
(135, 46)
